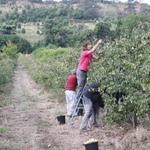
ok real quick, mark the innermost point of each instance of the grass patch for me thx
(45, 54)
(2, 130)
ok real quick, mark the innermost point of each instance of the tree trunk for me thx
(134, 120)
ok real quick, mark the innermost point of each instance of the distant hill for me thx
(94, 8)
(81, 13)
(10, 5)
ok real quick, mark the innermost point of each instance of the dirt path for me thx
(31, 125)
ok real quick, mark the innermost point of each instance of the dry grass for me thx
(89, 25)
(138, 139)
(4, 94)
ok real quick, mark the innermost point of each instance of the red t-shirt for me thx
(71, 82)
(85, 60)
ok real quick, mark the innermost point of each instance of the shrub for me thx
(8, 57)
(6, 68)
(10, 50)
(50, 66)
(19, 26)
(23, 46)
(38, 32)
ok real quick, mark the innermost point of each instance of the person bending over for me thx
(92, 100)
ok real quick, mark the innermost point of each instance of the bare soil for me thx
(29, 123)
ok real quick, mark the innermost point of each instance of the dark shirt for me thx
(91, 92)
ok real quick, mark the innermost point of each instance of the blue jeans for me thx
(81, 80)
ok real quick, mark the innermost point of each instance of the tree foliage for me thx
(56, 32)
(125, 67)
(10, 50)
(103, 31)
(23, 46)
(8, 57)
(7, 29)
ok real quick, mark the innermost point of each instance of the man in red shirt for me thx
(70, 93)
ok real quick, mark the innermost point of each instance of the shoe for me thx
(96, 125)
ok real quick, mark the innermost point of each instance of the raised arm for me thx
(95, 46)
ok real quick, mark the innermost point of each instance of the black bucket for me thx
(91, 146)
(61, 119)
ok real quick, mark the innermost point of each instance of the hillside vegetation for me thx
(75, 17)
